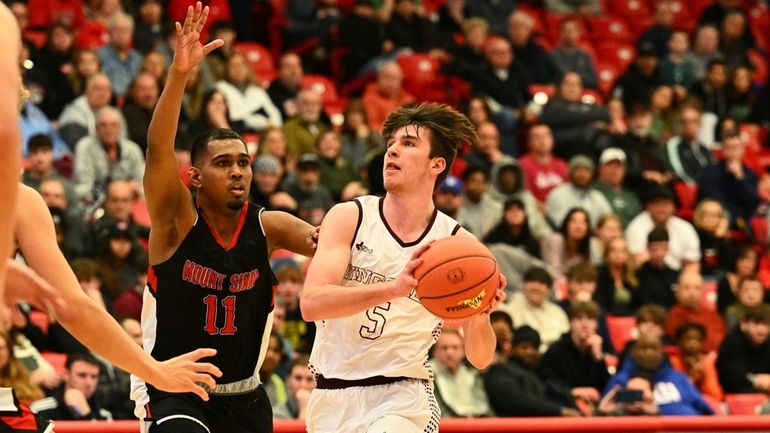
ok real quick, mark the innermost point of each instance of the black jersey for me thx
(213, 295)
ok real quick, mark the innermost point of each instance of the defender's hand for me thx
(185, 374)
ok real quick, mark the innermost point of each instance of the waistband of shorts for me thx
(329, 383)
(243, 386)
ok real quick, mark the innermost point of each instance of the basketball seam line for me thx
(455, 293)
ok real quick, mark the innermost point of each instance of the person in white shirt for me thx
(246, 101)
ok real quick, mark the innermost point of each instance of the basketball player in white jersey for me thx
(373, 335)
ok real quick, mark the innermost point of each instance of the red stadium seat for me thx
(139, 212)
(422, 78)
(760, 67)
(687, 194)
(219, 10)
(607, 74)
(716, 405)
(744, 404)
(536, 15)
(631, 9)
(709, 297)
(610, 27)
(92, 35)
(44, 12)
(261, 61)
(323, 85)
(621, 330)
(39, 320)
(57, 360)
(617, 54)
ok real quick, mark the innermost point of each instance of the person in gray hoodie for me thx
(507, 182)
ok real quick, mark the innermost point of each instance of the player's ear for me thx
(195, 176)
(438, 165)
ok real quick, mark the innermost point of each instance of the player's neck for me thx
(408, 214)
(221, 219)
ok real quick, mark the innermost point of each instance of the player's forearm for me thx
(480, 341)
(333, 301)
(165, 119)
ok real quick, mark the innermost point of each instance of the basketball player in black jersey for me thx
(210, 282)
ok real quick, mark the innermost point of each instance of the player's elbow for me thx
(309, 308)
(481, 360)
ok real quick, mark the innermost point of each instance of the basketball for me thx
(458, 277)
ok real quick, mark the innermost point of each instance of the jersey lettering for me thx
(211, 315)
(377, 318)
(202, 276)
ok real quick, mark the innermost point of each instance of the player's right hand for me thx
(189, 50)
(185, 374)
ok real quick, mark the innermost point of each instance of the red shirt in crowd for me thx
(540, 178)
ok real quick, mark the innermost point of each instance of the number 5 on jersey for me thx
(212, 309)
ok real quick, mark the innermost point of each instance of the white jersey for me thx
(391, 339)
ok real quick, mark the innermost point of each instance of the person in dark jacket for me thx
(532, 56)
(636, 85)
(656, 280)
(743, 363)
(513, 229)
(514, 388)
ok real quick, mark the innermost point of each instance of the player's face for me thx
(407, 161)
(84, 377)
(225, 177)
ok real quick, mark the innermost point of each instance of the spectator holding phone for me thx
(636, 398)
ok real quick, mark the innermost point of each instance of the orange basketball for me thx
(458, 277)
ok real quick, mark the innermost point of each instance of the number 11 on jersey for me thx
(212, 307)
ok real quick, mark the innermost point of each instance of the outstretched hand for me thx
(189, 50)
(185, 374)
(23, 284)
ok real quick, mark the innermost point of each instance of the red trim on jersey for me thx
(272, 298)
(234, 240)
(147, 409)
(26, 421)
(152, 279)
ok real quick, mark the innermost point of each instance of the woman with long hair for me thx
(617, 282)
(214, 113)
(360, 144)
(247, 101)
(608, 228)
(85, 63)
(744, 265)
(571, 244)
(14, 375)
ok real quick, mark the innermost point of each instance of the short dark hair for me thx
(584, 308)
(760, 313)
(653, 313)
(81, 356)
(657, 234)
(539, 275)
(582, 271)
(746, 279)
(39, 142)
(202, 141)
(473, 170)
(501, 316)
(85, 269)
(301, 360)
(687, 327)
(449, 129)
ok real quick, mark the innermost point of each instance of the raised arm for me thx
(169, 203)
(10, 136)
(322, 295)
(88, 322)
(285, 231)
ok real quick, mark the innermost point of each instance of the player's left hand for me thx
(185, 374)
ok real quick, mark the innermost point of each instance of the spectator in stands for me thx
(451, 16)
(687, 155)
(665, 116)
(581, 287)
(741, 96)
(118, 257)
(364, 36)
(40, 162)
(569, 57)
(448, 197)
(514, 387)
(85, 63)
(578, 127)
(150, 26)
(576, 360)
(659, 35)
(271, 380)
(533, 57)
(731, 182)
(650, 322)
(303, 130)
(641, 77)
(360, 143)
(749, 294)
(76, 399)
(532, 306)
(310, 20)
(299, 333)
(273, 142)
(459, 388)
(142, 98)
(711, 92)
(612, 173)
(106, 156)
(711, 224)
(265, 184)
(578, 192)
(676, 71)
(214, 65)
(690, 308)
(299, 382)
(32, 121)
(247, 101)
(608, 228)
(496, 13)
(581, 7)
(479, 212)
(656, 279)
(743, 363)
(673, 392)
(313, 198)
(736, 38)
(119, 61)
(508, 182)
(699, 366)
(646, 406)
(214, 113)
(543, 171)
(336, 171)
(617, 284)
(52, 61)
(14, 375)
(502, 324)
(78, 119)
(155, 64)
(487, 150)
(513, 229)
(744, 265)
(705, 50)
(571, 244)
(283, 90)
(468, 55)
(59, 197)
(715, 13)
(117, 213)
(684, 246)
(407, 29)
(385, 95)
(646, 163)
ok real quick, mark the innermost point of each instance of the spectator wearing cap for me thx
(119, 61)
(743, 362)
(687, 155)
(659, 34)
(448, 197)
(266, 182)
(684, 245)
(303, 130)
(732, 183)
(576, 359)
(543, 171)
(612, 173)
(569, 57)
(336, 170)
(578, 127)
(478, 212)
(385, 95)
(150, 26)
(532, 306)
(513, 229)
(514, 388)
(636, 85)
(507, 182)
(313, 198)
(711, 91)
(578, 192)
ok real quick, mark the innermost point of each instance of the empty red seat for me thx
(607, 75)
(57, 361)
(260, 59)
(621, 330)
(744, 404)
(323, 86)
(687, 194)
(219, 10)
(421, 76)
(760, 67)
(610, 27)
(617, 54)
(631, 9)
(39, 320)
(709, 296)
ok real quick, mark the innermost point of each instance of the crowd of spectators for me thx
(642, 196)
